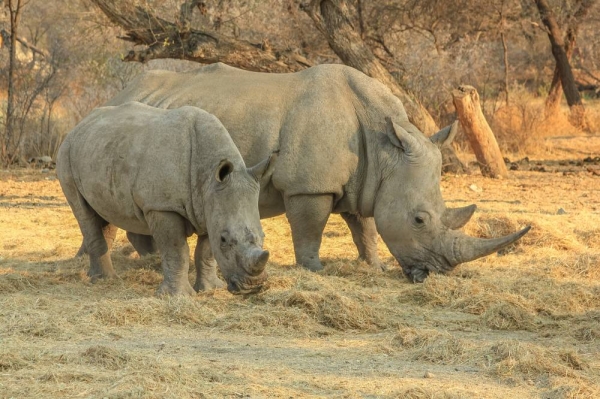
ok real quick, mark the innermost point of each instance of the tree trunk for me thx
(577, 114)
(505, 57)
(478, 132)
(15, 8)
(332, 18)
(555, 92)
(504, 50)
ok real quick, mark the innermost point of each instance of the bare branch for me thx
(186, 11)
(165, 39)
(332, 18)
(6, 37)
(589, 73)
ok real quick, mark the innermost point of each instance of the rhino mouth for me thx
(240, 285)
(416, 275)
(417, 270)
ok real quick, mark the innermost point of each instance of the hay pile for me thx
(524, 323)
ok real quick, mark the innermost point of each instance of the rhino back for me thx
(132, 159)
(314, 117)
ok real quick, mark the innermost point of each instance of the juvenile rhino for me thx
(337, 154)
(168, 174)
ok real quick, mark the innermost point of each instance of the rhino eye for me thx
(224, 238)
(419, 220)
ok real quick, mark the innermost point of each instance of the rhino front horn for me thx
(455, 218)
(470, 248)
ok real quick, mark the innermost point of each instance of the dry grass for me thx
(105, 357)
(524, 323)
(509, 316)
(502, 359)
(522, 126)
(432, 345)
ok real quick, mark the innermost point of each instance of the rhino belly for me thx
(270, 202)
(117, 207)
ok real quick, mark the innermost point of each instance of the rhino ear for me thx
(223, 170)
(400, 137)
(446, 135)
(264, 169)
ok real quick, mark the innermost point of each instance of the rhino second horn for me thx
(260, 258)
(455, 218)
(466, 249)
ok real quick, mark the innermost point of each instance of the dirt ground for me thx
(524, 323)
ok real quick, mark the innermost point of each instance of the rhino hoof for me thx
(94, 277)
(378, 266)
(170, 290)
(313, 266)
(383, 267)
(209, 285)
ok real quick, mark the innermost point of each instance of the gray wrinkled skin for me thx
(337, 155)
(166, 174)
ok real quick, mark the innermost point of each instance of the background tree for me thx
(563, 66)
(575, 15)
(428, 47)
(9, 142)
(48, 62)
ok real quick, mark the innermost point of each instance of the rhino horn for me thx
(259, 261)
(455, 218)
(466, 249)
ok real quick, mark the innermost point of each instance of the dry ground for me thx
(524, 323)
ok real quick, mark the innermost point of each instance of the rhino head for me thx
(233, 224)
(409, 210)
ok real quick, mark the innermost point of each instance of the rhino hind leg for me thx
(82, 251)
(143, 244)
(169, 232)
(98, 237)
(108, 231)
(308, 216)
(206, 267)
(100, 245)
(364, 235)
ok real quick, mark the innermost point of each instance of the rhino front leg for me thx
(169, 232)
(143, 244)
(364, 235)
(206, 267)
(308, 216)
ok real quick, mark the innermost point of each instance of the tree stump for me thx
(478, 132)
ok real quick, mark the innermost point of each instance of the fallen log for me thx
(478, 132)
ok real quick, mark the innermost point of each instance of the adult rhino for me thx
(168, 174)
(337, 154)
